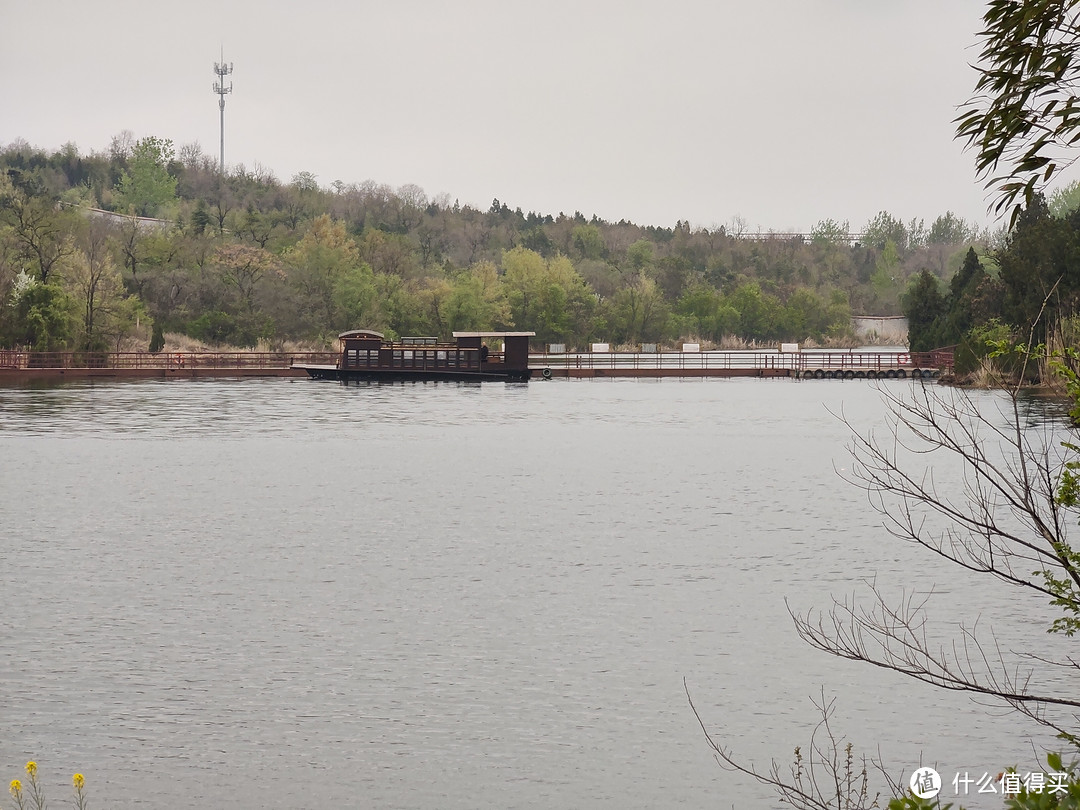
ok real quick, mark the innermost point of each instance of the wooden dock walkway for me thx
(27, 366)
(849, 365)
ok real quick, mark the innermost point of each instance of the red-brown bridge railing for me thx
(161, 360)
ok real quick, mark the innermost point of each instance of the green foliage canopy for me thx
(244, 257)
(1024, 119)
(146, 187)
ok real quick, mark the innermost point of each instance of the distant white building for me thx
(889, 330)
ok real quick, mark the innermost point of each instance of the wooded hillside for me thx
(246, 259)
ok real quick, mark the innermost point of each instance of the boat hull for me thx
(417, 375)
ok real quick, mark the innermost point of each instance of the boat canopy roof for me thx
(361, 333)
(493, 334)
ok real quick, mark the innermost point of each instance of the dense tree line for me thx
(246, 259)
(1027, 291)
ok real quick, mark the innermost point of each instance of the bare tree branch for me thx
(827, 777)
(1004, 520)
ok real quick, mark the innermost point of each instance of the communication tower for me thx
(222, 70)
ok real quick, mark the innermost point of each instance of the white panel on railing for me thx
(689, 348)
(601, 347)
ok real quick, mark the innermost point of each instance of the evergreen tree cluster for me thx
(1030, 294)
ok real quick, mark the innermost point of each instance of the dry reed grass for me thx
(176, 342)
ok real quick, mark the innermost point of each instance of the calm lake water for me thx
(293, 594)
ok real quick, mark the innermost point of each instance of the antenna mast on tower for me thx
(222, 70)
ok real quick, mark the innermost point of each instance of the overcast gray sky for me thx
(781, 113)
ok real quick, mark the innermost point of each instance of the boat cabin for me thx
(366, 350)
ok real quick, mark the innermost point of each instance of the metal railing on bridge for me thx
(941, 359)
(664, 360)
(762, 359)
(161, 360)
(796, 362)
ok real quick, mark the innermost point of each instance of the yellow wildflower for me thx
(16, 786)
(77, 780)
(31, 769)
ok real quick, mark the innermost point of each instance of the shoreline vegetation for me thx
(176, 342)
(143, 247)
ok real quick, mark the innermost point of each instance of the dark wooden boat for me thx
(367, 355)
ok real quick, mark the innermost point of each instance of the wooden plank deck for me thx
(26, 366)
(802, 365)
(592, 373)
